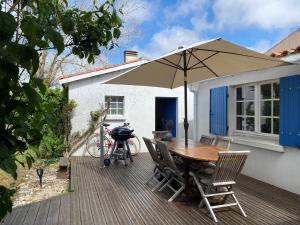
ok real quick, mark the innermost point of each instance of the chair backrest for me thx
(223, 142)
(167, 157)
(207, 140)
(152, 151)
(228, 167)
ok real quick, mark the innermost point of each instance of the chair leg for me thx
(240, 207)
(159, 183)
(176, 193)
(166, 184)
(210, 209)
(153, 175)
(201, 204)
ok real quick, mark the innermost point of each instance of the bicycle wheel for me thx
(93, 145)
(134, 145)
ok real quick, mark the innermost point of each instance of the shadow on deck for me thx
(118, 196)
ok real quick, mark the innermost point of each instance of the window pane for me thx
(249, 108)
(265, 125)
(249, 93)
(265, 108)
(114, 99)
(275, 126)
(275, 108)
(250, 124)
(120, 105)
(276, 90)
(107, 99)
(265, 91)
(120, 111)
(239, 123)
(113, 111)
(240, 108)
(113, 105)
(239, 94)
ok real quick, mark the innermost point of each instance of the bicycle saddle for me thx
(105, 124)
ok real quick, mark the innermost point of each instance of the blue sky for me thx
(159, 26)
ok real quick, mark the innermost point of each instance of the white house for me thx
(145, 108)
(263, 115)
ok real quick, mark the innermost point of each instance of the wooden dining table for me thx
(194, 152)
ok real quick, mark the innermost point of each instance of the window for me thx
(115, 105)
(269, 108)
(257, 108)
(245, 108)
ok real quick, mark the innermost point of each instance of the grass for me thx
(68, 188)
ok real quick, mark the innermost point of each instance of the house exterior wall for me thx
(139, 106)
(268, 161)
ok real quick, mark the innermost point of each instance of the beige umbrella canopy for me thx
(201, 61)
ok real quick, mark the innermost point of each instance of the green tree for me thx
(26, 28)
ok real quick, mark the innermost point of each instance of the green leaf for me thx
(5, 203)
(32, 95)
(40, 84)
(67, 24)
(26, 56)
(31, 29)
(29, 161)
(117, 33)
(57, 40)
(8, 26)
(9, 166)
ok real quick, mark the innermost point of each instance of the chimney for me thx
(130, 56)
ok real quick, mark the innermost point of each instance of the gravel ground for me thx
(29, 190)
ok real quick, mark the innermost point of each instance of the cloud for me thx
(138, 11)
(167, 40)
(261, 46)
(182, 9)
(262, 14)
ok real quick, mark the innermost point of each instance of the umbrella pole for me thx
(186, 124)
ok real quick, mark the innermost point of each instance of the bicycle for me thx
(93, 142)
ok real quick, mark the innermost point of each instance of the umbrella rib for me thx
(201, 61)
(199, 67)
(189, 56)
(172, 64)
(239, 54)
(206, 66)
(176, 72)
(166, 64)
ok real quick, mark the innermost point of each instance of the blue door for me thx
(165, 110)
(218, 111)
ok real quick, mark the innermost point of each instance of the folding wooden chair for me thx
(174, 173)
(159, 172)
(207, 140)
(223, 142)
(228, 168)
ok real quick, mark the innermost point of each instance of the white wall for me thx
(281, 169)
(139, 106)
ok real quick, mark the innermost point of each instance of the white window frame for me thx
(109, 110)
(257, 105)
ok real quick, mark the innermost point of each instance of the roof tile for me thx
(65, 76)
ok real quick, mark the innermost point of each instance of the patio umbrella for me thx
(200, 61)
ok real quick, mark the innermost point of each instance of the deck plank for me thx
(53, 214)
(32, 213)
(64, 212)
(117, 195)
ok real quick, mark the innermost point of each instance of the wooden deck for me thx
(118, 196)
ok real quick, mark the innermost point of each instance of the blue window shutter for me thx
(218, 111)
(289, 121)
